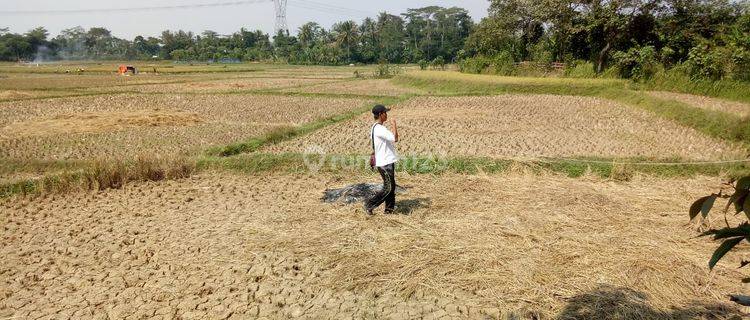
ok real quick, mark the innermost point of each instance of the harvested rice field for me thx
(131, 125)
(8, 95)
(523, 126)
(222, 245)
(373, 87)
(67, 82)
(733, 107)
(181, 194)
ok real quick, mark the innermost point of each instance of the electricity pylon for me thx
(280, 6)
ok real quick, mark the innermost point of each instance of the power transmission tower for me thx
(280, 6)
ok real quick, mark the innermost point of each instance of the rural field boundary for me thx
(615, 168)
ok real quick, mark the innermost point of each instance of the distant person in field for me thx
(384, 152)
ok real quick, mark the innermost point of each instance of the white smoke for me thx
(43, 54)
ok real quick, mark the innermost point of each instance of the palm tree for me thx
(308, 34)
(347, 37)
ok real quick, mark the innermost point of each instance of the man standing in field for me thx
(384, 151)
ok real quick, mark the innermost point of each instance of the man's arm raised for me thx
(395, 130)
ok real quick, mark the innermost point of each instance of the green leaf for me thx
(707, 205)
(697, 207)
(743, 183)
(725, 247)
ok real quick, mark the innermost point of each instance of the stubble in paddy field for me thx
(267, 244)
(131, 125)
(99, 122)
(524, 126)
(58, 82)
(14, 95)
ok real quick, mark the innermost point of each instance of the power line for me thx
(323, 10)
(327, 10)
(104, 10)
(332, 7)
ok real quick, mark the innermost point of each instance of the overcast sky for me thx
(223, 19)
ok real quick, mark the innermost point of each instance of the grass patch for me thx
(102, 175)
(677, 80)
(454, 83)
(612, 168)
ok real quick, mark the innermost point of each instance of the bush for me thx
(580, 69)
(503, 64)
(423, 64)
(707, 63)
(477, 64)
(668, 57)
(741, 64)
(386, 71)
(638, 63)
(610, 73)
(438, 62)
(542, 56)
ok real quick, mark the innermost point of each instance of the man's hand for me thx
(395, 129)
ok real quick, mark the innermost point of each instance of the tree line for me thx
(707, 39)
(419, 34)
(631, 38)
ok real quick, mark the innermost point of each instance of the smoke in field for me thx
(43, 54)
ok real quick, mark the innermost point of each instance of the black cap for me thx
(378, 109)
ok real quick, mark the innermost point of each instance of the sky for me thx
(222, 19)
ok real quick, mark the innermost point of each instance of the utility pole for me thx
(280, 7)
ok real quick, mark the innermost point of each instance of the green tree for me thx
(171, 41)
(369, 41)
(146, 47)
(283, 46)
(99, 41)
(310, 34)
(347, 39)
(72, 43)
(15, 47)
(37, 37)
(391, 38)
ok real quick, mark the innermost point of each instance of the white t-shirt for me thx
(385, 150)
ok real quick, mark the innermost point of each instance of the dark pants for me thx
(388, 194)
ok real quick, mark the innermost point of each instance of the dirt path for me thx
(229, 246)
